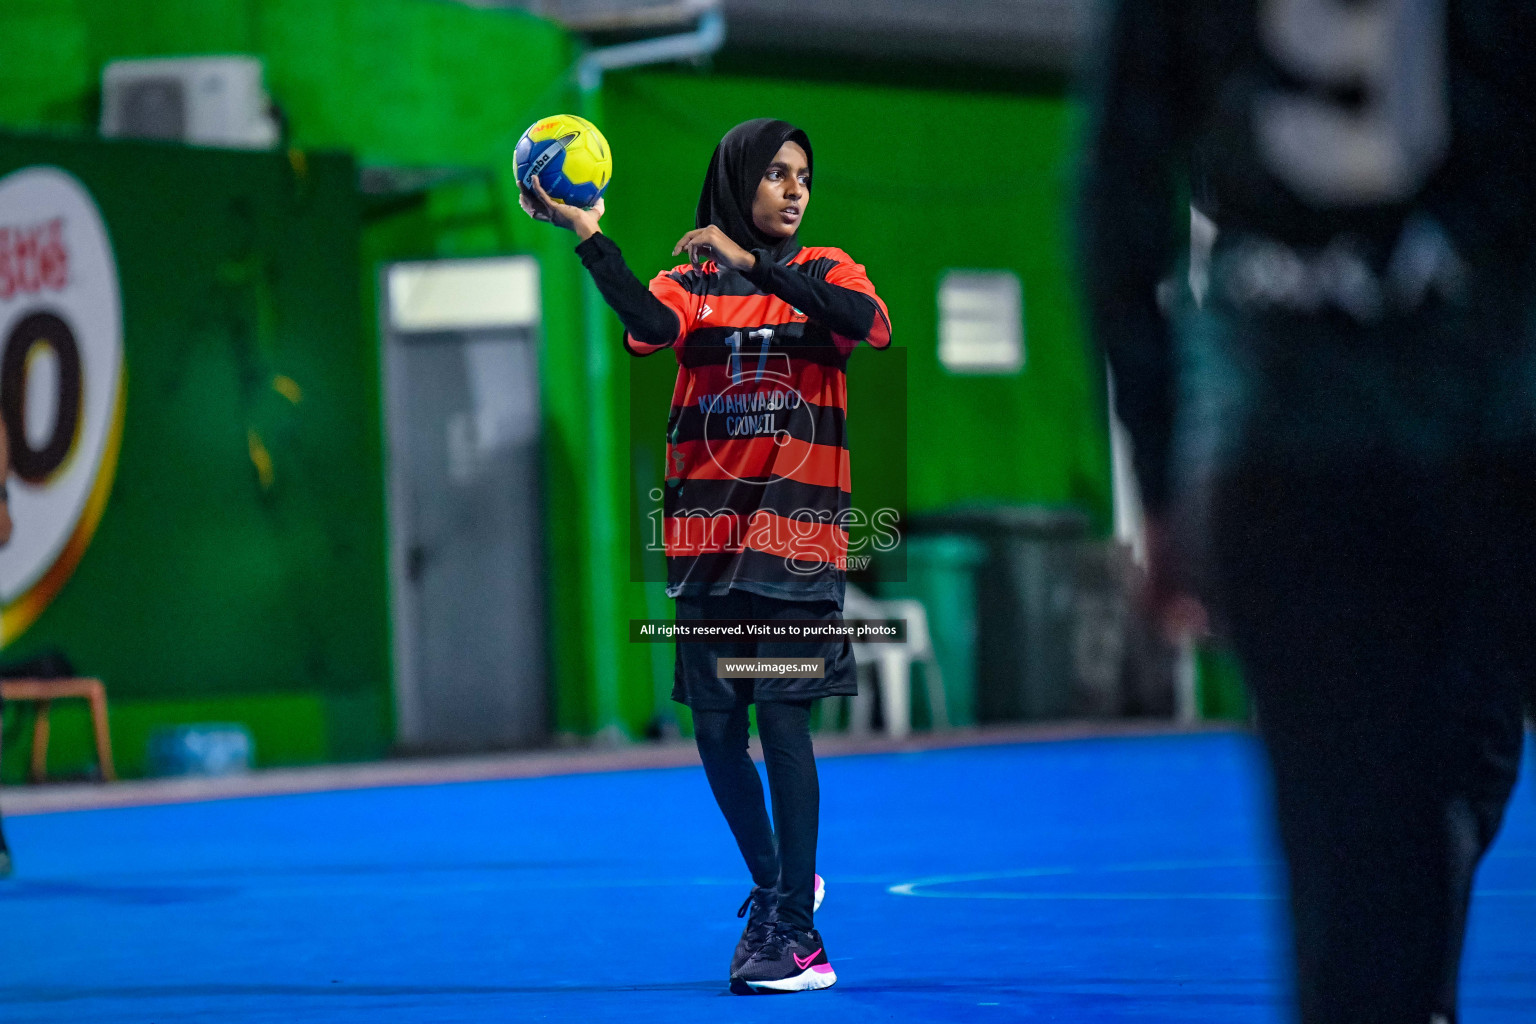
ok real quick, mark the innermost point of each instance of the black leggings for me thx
(783, 856)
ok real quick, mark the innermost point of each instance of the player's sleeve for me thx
(850, 275)
(668, 288)
(844, 301)
(1128, 219)
(651, 321)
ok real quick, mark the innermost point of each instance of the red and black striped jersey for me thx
(758, 487)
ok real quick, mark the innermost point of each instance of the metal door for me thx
(461, 377)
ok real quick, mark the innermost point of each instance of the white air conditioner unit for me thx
(204, 101)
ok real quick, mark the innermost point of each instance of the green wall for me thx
(397, 81)
(998, 200)
(433, 82)
(253, 596)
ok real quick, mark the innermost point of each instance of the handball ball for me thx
(569, 156)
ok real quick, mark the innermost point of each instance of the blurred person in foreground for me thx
(1333, 413)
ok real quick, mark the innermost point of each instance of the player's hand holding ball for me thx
(563, 166)
(539, 205)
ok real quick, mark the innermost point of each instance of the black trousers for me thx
(781, 856)
(1383, 616)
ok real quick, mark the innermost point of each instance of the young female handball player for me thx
(757, 496)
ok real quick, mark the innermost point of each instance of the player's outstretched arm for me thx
(649, 323)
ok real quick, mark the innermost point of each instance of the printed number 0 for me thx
(1382, 150)
(35, 465)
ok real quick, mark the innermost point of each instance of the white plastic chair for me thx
(890, 665)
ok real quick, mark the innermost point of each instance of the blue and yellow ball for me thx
(570, 157)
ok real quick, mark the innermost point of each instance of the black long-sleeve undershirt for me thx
(843, 310)
(647, 319)
(651, 322)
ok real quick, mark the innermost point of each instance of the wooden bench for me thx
(44, 692)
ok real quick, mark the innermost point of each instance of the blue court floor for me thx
(1082, 881)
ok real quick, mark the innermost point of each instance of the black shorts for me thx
(697, 685)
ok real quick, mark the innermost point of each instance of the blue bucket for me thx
(202, 749)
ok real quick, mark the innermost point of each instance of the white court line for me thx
(1089, 897)
(918, 886)
(911, 888)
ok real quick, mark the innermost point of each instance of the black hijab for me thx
(731, 184)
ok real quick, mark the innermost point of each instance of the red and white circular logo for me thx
(61, 382)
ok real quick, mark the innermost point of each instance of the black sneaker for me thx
(760, 910)
(5, 857)
(790, 960)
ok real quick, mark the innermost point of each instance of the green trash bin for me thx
(1026, 607)
(1219, 692)
(941, 573)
